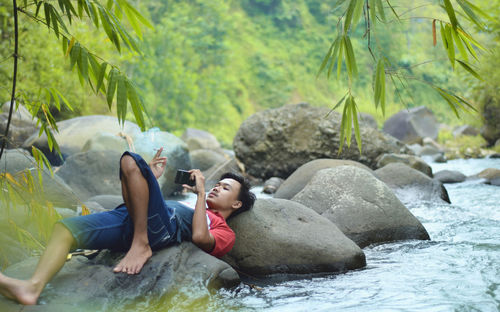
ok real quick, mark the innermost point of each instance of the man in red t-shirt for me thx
(145, 222)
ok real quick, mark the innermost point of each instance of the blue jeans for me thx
(114, 229)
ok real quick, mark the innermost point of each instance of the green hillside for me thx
(211, 64)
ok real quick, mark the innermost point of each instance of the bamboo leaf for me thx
(136, 105)
(133, 21)
(342, 125)
(71, 44)
(64, 100)
(326, 58)
(470, 70)
(334, 56)
(348, 15)
(373, 14)
(470, 13)
(357, 133)
(46, 8)
(100, 78)
(451, 13)
(121, 99)
(74, 55)
(80, 8)
(111, 87)
(458, 43)
(348, 124)
(350, 56)
(64, 42)
(434, 40)
(83, 64)
(138, 15)
(38, 5)
(393, 11)
(449, 44)
(380, 9)
(339, 59)
(358, 10)
(338, 104)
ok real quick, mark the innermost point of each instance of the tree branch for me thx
(14, 78)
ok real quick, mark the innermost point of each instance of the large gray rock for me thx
(411, 185)
(53, 188)
(282, 236)
(300, 177)
(90, 285)
(92, 173)
(102, 141)
(362, 207)
(108, 201)
(22, 125)
(199, 139)
(276, 142)
(491, 116)
(465, 130)
(410, 160)
(204, 159)
(74, 133)
(272, 184)
(449, 176)
(368, 120)
(490, 175)
(213, 174)
(411, 126)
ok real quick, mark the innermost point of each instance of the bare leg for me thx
(135, 192)
(51, 261)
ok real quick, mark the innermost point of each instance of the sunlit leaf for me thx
(111, 87)
(121, 98)
(451, 13)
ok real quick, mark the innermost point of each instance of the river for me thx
(457, 270)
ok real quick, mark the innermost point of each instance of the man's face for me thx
(224, 195)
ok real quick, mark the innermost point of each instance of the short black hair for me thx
(246, 197)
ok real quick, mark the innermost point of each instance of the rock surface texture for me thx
(276, 142)
(411, 126)
(300, 177)
(411, 185)
(91, 285)
(410, 160)
(362, 207)
(449, 176)
(282, 236)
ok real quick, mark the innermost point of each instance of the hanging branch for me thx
(14, 79)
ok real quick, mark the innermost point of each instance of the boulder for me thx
(53, 187)
(90, 285)
(300, 177)
(411, 126)
(368, 120)
(415, 148)
(92, 173)
(199, 139)
(204, 159)
(411, 185)
(275, 142)
(409, 160)
(449, 176)
(107, 201)
(495, 182)
(271, 185)
(213, 174)
(362, 207)
(465, 130)
(22, 125)
(491, 175)
(74, 133)
(282, 236)
(106, 141)
(491, 118)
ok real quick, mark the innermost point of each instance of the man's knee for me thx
(128, 165)
(63, 233)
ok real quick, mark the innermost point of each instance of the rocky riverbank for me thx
(324, 211)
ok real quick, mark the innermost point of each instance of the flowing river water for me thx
(457, 270)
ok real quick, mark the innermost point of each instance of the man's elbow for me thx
(199, 238)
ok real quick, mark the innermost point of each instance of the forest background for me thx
(211, 64)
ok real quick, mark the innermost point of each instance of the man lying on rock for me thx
(145, 222)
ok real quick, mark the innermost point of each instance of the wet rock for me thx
(449, 176)
(271, 185)
(300, 177)
(53, 187)
(75, 132)
(411, 126)
(412, 161)
(22, 125)
(415, 148)
(495, 155)
(107, 141)
(491, 175)
(282, 236)
(204, 159)
(91, 285)
(199, 139)
(411, 185)
(276, 142)
(362, 207)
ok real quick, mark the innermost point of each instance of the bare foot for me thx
(135, 259)
(24, 292)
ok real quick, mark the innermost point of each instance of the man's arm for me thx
(201, 236)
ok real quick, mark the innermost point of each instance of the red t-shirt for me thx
(222, 233)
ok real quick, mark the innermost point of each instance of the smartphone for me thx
(183, 177)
